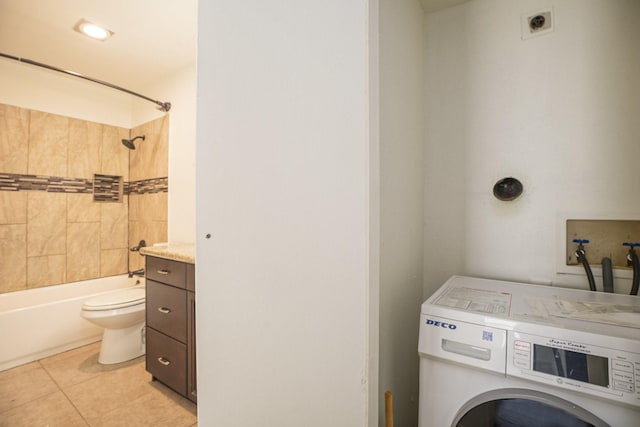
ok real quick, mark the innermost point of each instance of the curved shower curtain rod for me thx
(162, 106)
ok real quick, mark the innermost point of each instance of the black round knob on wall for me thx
(507, 189)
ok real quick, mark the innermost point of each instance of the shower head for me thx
(129, 142)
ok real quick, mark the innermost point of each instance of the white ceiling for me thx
(152, 38)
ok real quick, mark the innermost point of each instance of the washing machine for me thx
(496, 353)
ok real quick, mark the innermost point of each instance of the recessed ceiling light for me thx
(92, 30)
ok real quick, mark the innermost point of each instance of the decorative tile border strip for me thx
(144, 186)
(107, 188)
(51, 184)
(54, 184)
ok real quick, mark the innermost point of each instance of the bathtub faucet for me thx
(136, 272)
(141, 244)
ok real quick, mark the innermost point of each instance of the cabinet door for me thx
(167, 310)
(166, 360)
(192, 389)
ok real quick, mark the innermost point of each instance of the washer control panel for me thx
(600, 371)
(480, 346)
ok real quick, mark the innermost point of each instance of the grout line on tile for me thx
(75, 408)
(51, 372)
(26, 402)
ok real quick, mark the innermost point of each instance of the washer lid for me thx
(117, 299)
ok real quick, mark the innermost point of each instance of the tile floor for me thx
(71, 389)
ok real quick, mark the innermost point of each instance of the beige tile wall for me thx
(148, 212)
(48, 142)
(13, 262)
(53, 238)
(149, 223)
(14, 139)
(85, 148)
(150, 159)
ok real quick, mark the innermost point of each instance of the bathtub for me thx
(40, 322)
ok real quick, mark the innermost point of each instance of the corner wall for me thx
(56, 226)
(51, 229)
(401, 203)
(559, 112)
(180, 90)
(149, 187)
(35, 88)
(89, 104)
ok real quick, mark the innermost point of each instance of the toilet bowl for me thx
(122, 315)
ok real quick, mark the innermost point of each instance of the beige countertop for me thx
(185, 252)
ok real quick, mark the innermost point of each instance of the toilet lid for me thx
(117, 299)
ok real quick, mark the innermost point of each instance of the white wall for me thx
(559, 112)
(39, 89)
(401, 177)
(283, 188)
(179, 89)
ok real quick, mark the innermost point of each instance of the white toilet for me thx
(122, 315)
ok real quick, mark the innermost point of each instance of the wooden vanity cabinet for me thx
(170, 317)
(192, 389)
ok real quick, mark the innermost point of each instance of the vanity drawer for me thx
(166, 360)
(167, 310)
(167, 271)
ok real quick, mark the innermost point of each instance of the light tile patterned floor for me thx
(72, 389)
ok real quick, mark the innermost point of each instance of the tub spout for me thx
(141, 244)
(136, 272)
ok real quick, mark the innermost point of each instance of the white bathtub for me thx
(40, 322)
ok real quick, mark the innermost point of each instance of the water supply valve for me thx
(580, 242)
(581, 254)
(631, 251)
(582, 258)
(634, 262)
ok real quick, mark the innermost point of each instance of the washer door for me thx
(515, 407)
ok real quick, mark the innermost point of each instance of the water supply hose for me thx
(582, 257)
(607, 275)
(635, 263)
(636, 273)
(587, 269)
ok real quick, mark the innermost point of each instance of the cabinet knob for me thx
(164, 310)
(165, 362)
(163, 271)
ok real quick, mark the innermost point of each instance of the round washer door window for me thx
(523, 408)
